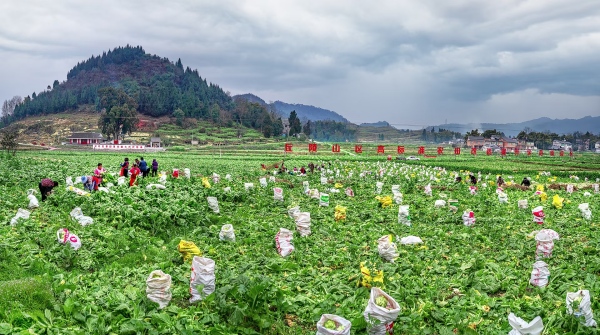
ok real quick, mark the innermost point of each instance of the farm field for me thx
(460, 280)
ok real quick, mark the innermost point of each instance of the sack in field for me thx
(205, 182)
(340, 213)
(203, 277)
(380, 313)
(188, 250)
(283, 242)
(440, 203)
(314, 193)
(228, 177)
(428, 190)
(523, 204)
(121, 181)
(586, 212)
(330, 324)
(502, 197)
(263, 182)
(468, 218)
(69, 181)
(78, 216)
(579, 304)
(545, 242)
(403, 216)
(522, 327)
(162, 178)
(323, 180)
(410, 240)
(306, 187)
(21, 214)
(156, 186)
(538, 214)
(227, 189)
(278, 194)
(158, 288)
(349, 192)
(216, 178)
(64, 236)
(187, 173)
(570, 188)
(539, 274)
(33, 201)
(175, 173)
(227, 233)
(293, 212)
(248, 186)
(387, 249)
(397, 195)
(303, 223)
(324, 199)
(596, 188)
(213, 203)
(473, 190)
(378, 187)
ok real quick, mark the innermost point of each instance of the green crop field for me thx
(460, 280)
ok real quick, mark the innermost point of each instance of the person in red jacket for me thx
(135, 171)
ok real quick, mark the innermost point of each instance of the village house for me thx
(475, 142)
(525, 145)
(561, 145)
(510, 144)
(85, 138)
(155, 142)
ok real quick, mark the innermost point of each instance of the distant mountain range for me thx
(378, 124)
(304, 112)
(559, 126)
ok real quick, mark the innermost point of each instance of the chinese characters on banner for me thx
(421, 151)
(561, 153)
(488, 151)
(528, 152)
(551, 153)
(516, 151)
(335, 148)
(457, 151)
(440, 150)
(473, 151)
(571, 153)
(358, 149)
(380, 149)
(503, 151)
(541, 153)
(312, 147)
(400, 150)
(288, 147)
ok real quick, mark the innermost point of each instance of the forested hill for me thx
(158, 85)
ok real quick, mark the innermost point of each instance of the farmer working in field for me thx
(500, 181)
(473, 179)
(124, 168)
(46, 186)
(135, 171)
(98, 174)
(526, 182)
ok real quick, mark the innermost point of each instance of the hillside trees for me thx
(8, 107)
(306, 129)
(295, 125)
(119, 115)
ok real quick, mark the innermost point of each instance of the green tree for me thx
(119, 115)
(306, 130)
(295, 125)
(9, 140)
(490, 132)
(178, 115)
(55, 84)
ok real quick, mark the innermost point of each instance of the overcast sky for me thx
(409, 62)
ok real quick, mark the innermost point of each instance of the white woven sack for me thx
(522, 327)
(213, 203)
(278, 194)
(158, 288)
(538, 214)
(216, 178)
(314, 193)
(545, 242)
(227, 233)
(228, 177)
(540, 274)
(323, 180)
(523, 204)
(122, 180)
(502, 197)
(342, 325)
(306, 187)
(440, 203)
(596, 188)
(248, 186)
(33, 201)
(69, 181)
(156, 186)
(303, 223)
(187, 173)
(378, 187)
(78, 216)
(387, 249)
(161, 179)
(293, 212)
(380, 320)
(21, 214)
(410, 240)
(64, 235)
(468, 218)
(570, 188)
(428, 190)
(203, 274)
(585, 210)
(283, 242)
(584, 310)
(403, 215)
(263, 182)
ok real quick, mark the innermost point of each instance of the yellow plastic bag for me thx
(543, 196)
(540, 188)
(384, 201)
(205, 182)
(557, 201)
(188, 250)
(338, 185)
(367, 279)
(340, 213)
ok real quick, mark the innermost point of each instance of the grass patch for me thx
(34, 293)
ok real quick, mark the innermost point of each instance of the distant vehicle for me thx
(413, 158)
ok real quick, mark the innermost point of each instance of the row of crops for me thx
(459, 280)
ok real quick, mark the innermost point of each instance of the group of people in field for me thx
(91, 183)
(282, 169)
(500, 181)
